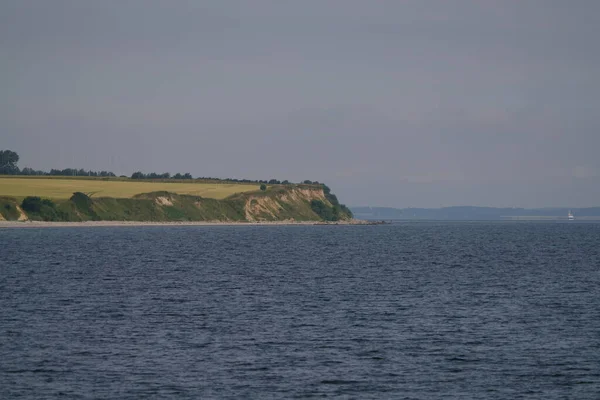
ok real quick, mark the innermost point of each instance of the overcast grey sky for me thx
(392, 103)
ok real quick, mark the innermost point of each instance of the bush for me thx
(263, 187)
(325, 212)
(44, 209)
(32, 204)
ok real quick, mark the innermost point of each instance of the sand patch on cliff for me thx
(163, 201)
(22, 215)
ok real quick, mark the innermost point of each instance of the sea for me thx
(412, 310)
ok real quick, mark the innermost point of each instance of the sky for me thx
(399, 103)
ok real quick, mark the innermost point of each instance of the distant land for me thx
(72, 195)
(471, 213)
(45, 199)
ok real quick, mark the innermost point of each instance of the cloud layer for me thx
(412, 103)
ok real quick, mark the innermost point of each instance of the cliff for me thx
(278, 203)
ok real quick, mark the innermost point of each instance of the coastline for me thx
(89, 224)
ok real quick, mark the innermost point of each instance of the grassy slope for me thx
(118, 199)
(276, 204)
(62, 189)
(148, 207)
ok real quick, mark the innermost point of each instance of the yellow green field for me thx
(65, 187)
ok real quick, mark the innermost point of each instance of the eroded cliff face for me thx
(286, 204)
(22, 215)
(278, 203)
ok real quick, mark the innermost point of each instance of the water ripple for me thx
(418, 310)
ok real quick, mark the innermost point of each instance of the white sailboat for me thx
(570, 216)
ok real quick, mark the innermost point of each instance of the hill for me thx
(276, 203)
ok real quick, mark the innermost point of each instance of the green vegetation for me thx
(336, 212)
(9, 160)
(278, 203)
(91, 196)
(37, 208)
(35, 204)
(322, 210)
(166, 175)
(339, 211)
(8, 209)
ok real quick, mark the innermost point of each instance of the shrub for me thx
(322, 210)
(44, 209)
(32, 204)
(263, 187)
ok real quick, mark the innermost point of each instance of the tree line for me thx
(9, 166)
(9, 160)
(166, 175)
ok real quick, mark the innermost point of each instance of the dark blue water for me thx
(416, 310)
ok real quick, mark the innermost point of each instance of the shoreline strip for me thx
(89, 224)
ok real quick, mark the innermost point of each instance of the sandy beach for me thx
(89, 224)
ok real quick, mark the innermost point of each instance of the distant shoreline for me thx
(90, 224)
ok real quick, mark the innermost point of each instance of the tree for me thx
(8, 162)
(263, 187)
(138, 175)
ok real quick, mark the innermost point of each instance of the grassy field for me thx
(65, 187)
